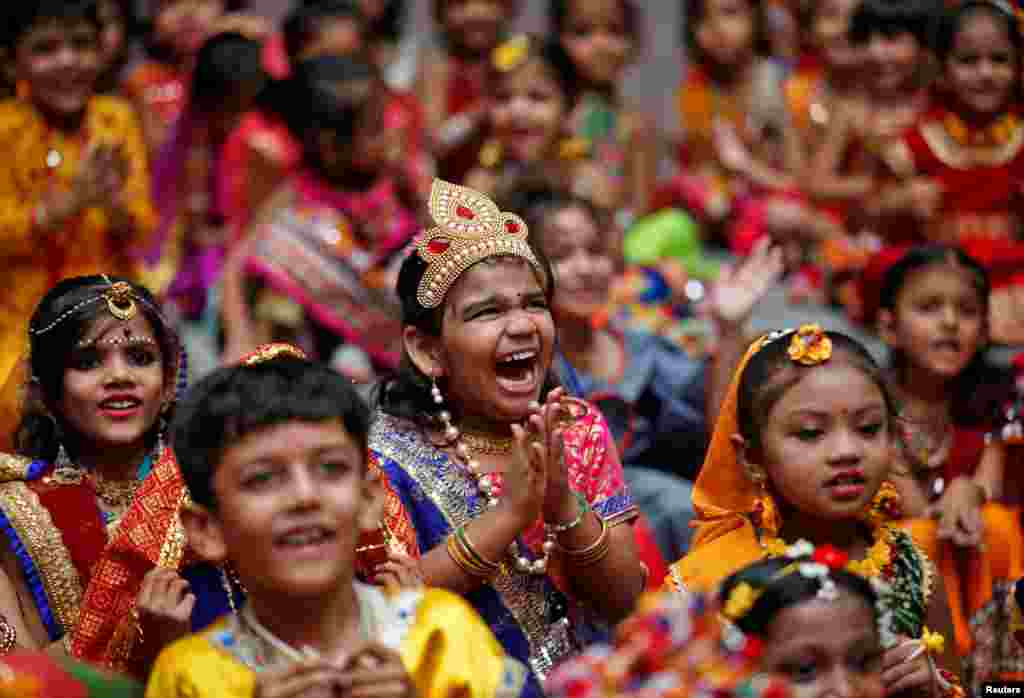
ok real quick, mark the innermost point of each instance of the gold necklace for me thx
(116, 494)
(485, 444)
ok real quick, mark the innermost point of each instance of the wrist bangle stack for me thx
(466, 557)
(593, 553)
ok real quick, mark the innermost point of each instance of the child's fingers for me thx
(919, 676)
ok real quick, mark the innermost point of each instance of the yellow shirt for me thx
(445, 646)
(36, 158)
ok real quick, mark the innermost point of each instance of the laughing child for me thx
(274, 453)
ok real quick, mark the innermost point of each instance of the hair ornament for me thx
(810, 346)
(269, 352)
(511, 53)
(470, 227)
(121, 299)
(741, 599)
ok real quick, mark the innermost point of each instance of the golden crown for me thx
(469, 228)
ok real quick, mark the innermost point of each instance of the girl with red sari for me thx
(89, 499)
(969, 147)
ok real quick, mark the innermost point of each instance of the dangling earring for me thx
(226, 575)
(65, 472)
(160, 445)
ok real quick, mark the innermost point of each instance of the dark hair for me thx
(537, 203)
(237, 400)
(389, 24)
(304, 22)
(894, 17)
(438, 7)
(314, 99)
(788, 590)
(224, 63)
(21, 17)
(770, 373)
(953, 19)
(558, 17)
(407, 393)
(694, 13)
(981, 389)
(552, 54)
(69, 317)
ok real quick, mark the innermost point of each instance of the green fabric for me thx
(100, 684)
(669, 234)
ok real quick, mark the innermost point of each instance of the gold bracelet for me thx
(593, 553)
(8, 636)
(467, 560)
(463, 537)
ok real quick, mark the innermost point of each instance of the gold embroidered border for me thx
(955, 155)
(13, 468)
(43, 542)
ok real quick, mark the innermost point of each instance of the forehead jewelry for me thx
(470, 228)
(122, 303)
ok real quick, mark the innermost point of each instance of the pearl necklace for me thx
(490, 485)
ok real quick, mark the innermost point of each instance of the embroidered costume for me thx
(447, 650)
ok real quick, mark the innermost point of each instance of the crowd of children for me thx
(545, 304)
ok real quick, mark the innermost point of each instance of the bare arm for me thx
(823, 177)
(18, 609)
(643, 161)
(991, 470)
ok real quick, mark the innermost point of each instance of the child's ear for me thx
(374, 497)
(887, 327)
(748, 460)
(424, 350)
(204, 532)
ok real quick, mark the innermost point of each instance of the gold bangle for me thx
(463, 537)
(593, 553)
(464, 559)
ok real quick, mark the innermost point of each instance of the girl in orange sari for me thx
(801, 450)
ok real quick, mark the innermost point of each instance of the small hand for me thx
(925, 197)
(737, 290)
(526, 476)
(376, 671)
(164, 605)
(732, 153)
(959, 513)
(400, 571)
(311, 678)
(905, 667)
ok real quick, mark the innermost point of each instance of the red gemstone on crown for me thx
(464, 212)
(512, 227)
(438, 245)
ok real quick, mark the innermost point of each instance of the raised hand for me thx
(738, 289)
(164, 606)
(399, 571)
(526, 476)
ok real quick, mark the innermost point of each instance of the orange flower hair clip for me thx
(810, 346)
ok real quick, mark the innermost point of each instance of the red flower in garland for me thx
(831, 557)
(753, 648)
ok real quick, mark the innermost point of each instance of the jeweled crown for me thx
(470, 227)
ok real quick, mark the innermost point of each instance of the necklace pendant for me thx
(54, 159)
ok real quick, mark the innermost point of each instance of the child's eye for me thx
(802, 672)
(258, 480)
(86, 360)
(871, 429)
(808, 433)
(334, 467)
(484, 313)
(142, 357)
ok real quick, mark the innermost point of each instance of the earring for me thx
(65, 472)
(226, 575)
(160, 445)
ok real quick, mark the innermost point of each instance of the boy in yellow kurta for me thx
(274, 454)
(74, 183)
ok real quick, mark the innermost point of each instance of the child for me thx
(740, 151)
(346, 211)
(933, 305)
(452, 81)
(158, 86)
(531, 88)
(973, 133)
(74, 185)
(829, 630)
(846, 169)
(600, 38)
(801, 449)
(274, 454)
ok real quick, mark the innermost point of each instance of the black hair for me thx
(894, 17)
(407, 393)
(224, 63)
(306, 20)
(770, 373)
(237, 400)
(314, 99)
(693, 13)
(953, 19)
(782, 592)
(552, 54)
(981, 389)
(21, 17)
(537, 202)
(65, 316)
(389, 25)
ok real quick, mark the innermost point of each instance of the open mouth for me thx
(517, 372)
(305, 539)
(848, 484)
(120, 405)
(947, 345)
